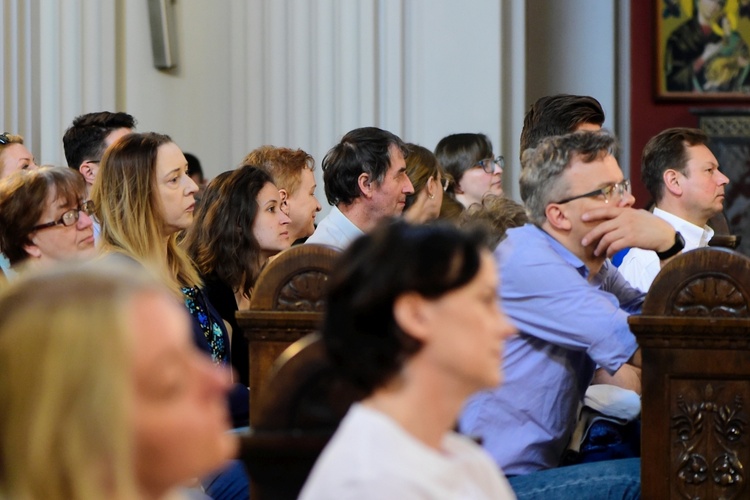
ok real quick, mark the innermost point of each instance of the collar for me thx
(695, 236)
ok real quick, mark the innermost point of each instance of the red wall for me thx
(648, 117)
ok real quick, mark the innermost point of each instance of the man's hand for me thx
(624, 227)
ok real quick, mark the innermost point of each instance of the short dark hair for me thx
(23, 200)
(665, 150)
(558, 115)
(363, 150)
(194, 166)
(362, 337)
(457, 153)
(221, 238)
(84, 139)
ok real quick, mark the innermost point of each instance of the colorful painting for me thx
(702, 48)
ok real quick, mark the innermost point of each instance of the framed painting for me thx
(702, 49)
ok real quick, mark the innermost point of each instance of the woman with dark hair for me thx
(413, 319)
(238, 226)
(429, 181)
(469, 160)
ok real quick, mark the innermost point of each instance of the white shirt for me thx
(335, 230)
(371, 457)
(640, 267)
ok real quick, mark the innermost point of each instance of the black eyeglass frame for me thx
(4, 139)
(498, 160)
(86, 207)
(606, 191)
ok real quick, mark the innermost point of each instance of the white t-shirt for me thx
(371, 457)
(640, 266)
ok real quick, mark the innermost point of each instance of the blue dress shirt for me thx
(568, 325)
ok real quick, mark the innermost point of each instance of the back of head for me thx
(361, 335)
(459, 152)
(6, 140)
(496, 214)
(24, 198)
(65, 429)
(363, 150)
(283, 164)
(558, 115)
(421, 164)
(667, 150)
(85, 138)
(221, 239)
(543, 167)
(194, 167)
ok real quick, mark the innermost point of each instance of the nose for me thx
(408, 187)
(318, 208)
(723, 179)
(627, 200)
(497, 168)
(284, 218)
(192, 187)
(216, 379)
(84, 220)
(506, 328)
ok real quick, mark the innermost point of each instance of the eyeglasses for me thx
(488, 164)
(4, 139)
(608, 191)
(70, 217)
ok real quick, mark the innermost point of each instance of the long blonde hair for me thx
(128, 208)
(65, 384)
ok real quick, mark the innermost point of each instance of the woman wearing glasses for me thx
(469, 160)
(429, 181)
(45, 218)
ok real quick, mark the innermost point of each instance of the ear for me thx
(32, 250)
(671, 179)
(411, 315)
(431, 186)
(365, 184)
(283, 195)
(557, 217)
(88, 172)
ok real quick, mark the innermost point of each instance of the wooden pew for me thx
(694, 332)
(286, 305)
(304, 401)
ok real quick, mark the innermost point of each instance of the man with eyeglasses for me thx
(571, 307)
(682, 175)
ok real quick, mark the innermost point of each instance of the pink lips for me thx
(190, 208)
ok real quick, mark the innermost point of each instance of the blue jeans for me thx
(607, 480)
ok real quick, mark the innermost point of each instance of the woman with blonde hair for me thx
(13, 155)
(429, 181)
(130, 414)
(144, 198)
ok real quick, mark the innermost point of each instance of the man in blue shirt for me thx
(567, 300)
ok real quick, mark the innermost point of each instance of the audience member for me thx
(365, 181)
(102, 394)
(560, 114)
(683, 178)
(45, 218)
(13, 155)
(89, 136)
(429, 182)
(413, 318)
(472, 165)
(496, 214)
(144, 198)
(237, 227)
(195, 172)
(571, 306)
(292, 172)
